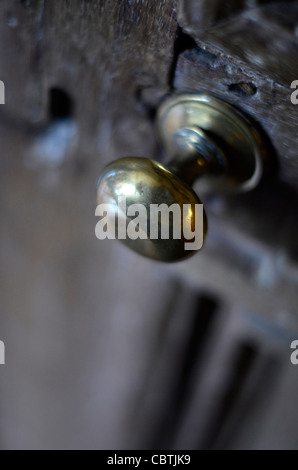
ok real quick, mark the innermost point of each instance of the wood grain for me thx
(248, 58)
(101, 342)
(74, 312)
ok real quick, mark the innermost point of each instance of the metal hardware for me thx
(202, 126)
(207, 139)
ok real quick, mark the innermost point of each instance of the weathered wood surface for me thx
(105, 349)
(73, 310)
(247, 54)
(104, 54)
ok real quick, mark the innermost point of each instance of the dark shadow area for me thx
(183, 42)
(245, 358)
(205, 314)
(61, 105)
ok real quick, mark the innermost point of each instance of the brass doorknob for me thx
(207, 139)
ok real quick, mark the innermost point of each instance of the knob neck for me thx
(197, 154)
(207, 136)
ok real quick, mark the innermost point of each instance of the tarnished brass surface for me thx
(144, 181)
(207, 138)
(239, 147)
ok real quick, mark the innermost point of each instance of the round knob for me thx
(152, 208)
(150, 185)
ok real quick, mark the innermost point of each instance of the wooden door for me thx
(105, 349)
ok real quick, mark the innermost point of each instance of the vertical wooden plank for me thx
(79, 325)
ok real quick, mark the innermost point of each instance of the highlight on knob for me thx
(150, 210)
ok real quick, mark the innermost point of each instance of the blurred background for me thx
(105, 349)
